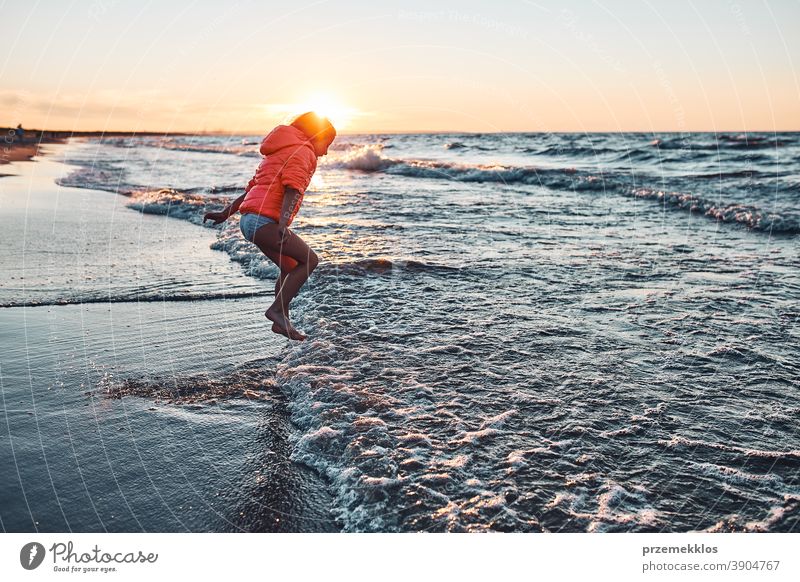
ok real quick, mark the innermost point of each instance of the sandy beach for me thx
(17, 152)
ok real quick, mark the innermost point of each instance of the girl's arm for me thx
(223, 215)
(290, 198)
(233, 208)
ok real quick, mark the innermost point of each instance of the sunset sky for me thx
(406, 66)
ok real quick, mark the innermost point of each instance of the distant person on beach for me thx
(271, 200)
(20, 133)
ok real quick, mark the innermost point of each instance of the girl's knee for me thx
(313, 261)
(287, 264)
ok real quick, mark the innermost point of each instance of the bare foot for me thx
(283, 325)
(278, 329)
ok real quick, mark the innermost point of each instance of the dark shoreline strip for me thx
(146, 299)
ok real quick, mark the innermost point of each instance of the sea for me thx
(517, 332)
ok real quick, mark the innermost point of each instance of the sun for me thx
(329, 106)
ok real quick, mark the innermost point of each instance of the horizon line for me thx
(92, 132)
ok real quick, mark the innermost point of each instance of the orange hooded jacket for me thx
(289, 160)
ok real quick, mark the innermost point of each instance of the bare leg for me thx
(278, 282)
(285, 264)
(288, 286)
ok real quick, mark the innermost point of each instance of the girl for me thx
(270, 202)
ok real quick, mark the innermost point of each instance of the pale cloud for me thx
(114, 109)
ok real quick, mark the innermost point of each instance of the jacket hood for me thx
(283, 136)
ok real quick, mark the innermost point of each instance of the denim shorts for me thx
(250, 223)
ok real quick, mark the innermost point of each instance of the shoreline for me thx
(23, 152)
(16, 150)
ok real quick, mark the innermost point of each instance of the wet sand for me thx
(17, 152)
(139, 415)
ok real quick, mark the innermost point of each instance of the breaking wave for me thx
(370, 159)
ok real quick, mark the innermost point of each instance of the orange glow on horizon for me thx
(323, 103)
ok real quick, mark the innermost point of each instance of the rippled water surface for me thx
(516, 332)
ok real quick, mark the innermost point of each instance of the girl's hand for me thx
(217, 217)
(283, 233)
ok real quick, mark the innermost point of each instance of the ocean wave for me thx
(755, 141)
(191, 203)
(216, 190)
(329, 408)
(625, 154)
(683, 442)
(238, 150)
(572, 150)
(746, 215)
(736, 174)
(639, 155)
(382, 265)
(97, 176)
(355, 435)
(458, 145)
(552, 178)
(737, 476)
(455, 145)
(191, 207)
(169, 202)
(366, 158)
(613, 508)
(369, 159)
(781, 517)
(346, 145)
(777, 516)
(722, 142)
(186, 143)
(108, 176)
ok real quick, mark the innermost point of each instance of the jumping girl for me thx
(270, 202)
